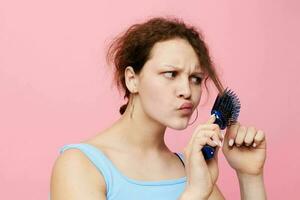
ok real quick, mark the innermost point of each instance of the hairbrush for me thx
(226, 109)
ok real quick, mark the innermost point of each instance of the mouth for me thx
(186, 111)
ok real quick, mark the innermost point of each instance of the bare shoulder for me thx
(75, 177)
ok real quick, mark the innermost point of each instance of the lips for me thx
(186, 106)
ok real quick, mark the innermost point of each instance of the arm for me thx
(74, 177)
(246, 154)
(252, 187)
(215, 195)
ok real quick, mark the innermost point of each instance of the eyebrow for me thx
(178, 68)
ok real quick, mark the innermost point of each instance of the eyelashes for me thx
(197, 82)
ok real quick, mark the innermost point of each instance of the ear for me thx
(131, 80)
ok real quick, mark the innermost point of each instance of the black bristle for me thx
(226, 109)
(228, 105)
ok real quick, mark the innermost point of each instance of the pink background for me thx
(56, 87)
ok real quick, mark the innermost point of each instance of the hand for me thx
(202, 174)
(247, 154)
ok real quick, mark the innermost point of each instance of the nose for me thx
(183, 89)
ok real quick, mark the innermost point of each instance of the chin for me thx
(179, 124)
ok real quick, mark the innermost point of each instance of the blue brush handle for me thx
(209, 151)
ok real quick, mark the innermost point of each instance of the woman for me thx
(161, 65)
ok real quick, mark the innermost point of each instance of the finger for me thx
(249, 139)
(209, 127)
(198, 144)
(206, 127)
(216, 153)
(259, 138)
(240, 137)
(211, 119)
(211, 134)
(200, 137)
(215, 137)
(213, 127)
(231, 133)
(212, 143)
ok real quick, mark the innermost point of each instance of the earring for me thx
(132, 107)
(196, 116)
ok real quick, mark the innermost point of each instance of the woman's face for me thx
(171, 77)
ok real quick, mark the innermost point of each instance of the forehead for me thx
(176, 53)
(195, 68)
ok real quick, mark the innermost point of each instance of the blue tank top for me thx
(121, 187)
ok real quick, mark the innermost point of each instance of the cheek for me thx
(197, 97)
(155, 96)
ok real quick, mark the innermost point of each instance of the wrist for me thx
(250, 177)
(186, 196)
(190, 195)
(252, 186)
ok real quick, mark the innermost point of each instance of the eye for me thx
(170, 73)
(198, 80)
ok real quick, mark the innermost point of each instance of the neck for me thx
(140, 133)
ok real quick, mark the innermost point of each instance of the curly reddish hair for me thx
(133, 48)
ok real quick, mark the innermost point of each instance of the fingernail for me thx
(230, 142)
(254, 145)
